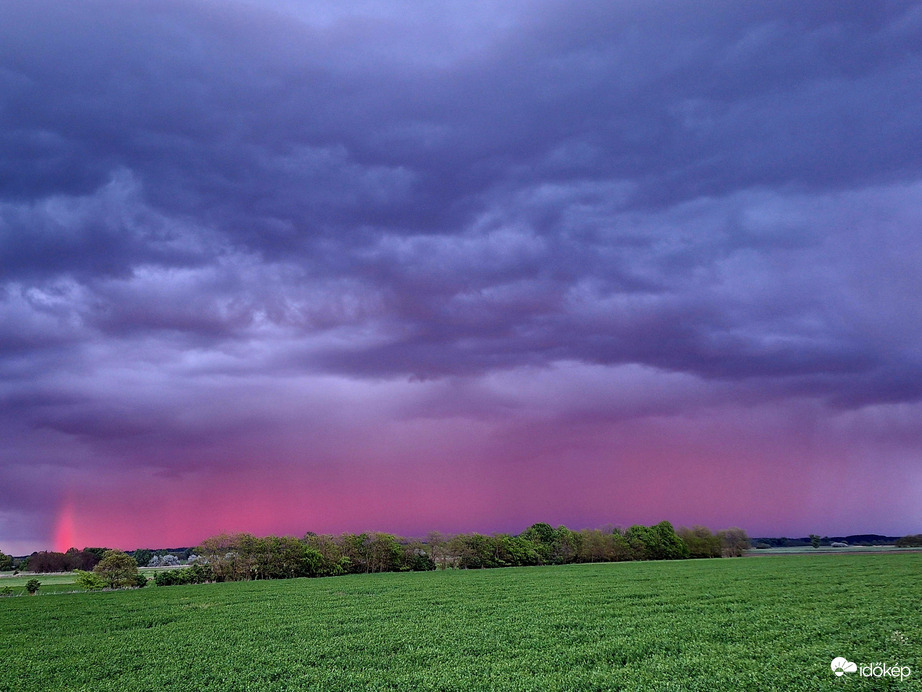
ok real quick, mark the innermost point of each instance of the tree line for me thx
(51, 561)
(243, 556)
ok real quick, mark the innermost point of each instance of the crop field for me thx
(685, 625)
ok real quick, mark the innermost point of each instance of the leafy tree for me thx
(287, 557)
(142, 556)
(331, 554)
(384, 553)
(416, 558)
(473, 551)
(437, 547)
(222, 553)
(814, 540)
(117, 570)
(542, 536)
(32, 586)
(354, 549)
(515, 551)
(658, 542)
(48, 561)
(601, 546)
(700, 541)
(98, 552)
(6, 562)
(80, 559)
(566, 546)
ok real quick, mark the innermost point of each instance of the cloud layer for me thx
(460, 268)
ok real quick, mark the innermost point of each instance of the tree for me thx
(515, 551)
(733, 542)
(117, 570)
(384, 553)
(6, 562)
(910, 541)
(814, 541)
(437, 547)
(142, 556)
(566, 546)
(600, 546)
(48, 561)
(221, 552)
(416, 558)
(287, 557)
(354, 548)
(658, 542)
(474, 551)
(332, 562)
(700, 541)
(542, 536)
(32, 586)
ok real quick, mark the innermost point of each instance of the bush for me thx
(89, 581)
(197, 574)
(32, 586)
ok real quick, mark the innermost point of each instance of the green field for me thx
(684, 625)
(50, 583)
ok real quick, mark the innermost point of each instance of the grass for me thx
(687, 625)
(64, 582)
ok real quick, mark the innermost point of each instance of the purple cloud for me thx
(246, 237)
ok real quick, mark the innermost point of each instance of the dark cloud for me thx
(216, 200)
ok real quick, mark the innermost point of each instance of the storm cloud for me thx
(388, 250)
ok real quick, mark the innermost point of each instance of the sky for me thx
(284, 266)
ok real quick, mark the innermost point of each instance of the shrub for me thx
(197, 574)
(32, 586)
(89, 581)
